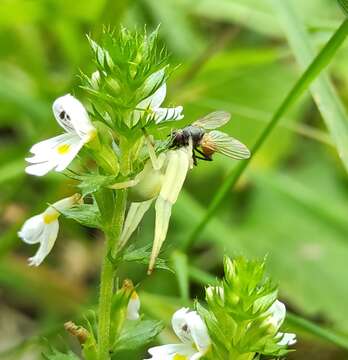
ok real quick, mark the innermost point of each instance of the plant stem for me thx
(112, 234)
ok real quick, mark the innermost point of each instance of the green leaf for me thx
(85, 214)
(142, 256)
(91, 183)
(136, 334)
(57, 355)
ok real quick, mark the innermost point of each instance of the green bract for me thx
(243, 314)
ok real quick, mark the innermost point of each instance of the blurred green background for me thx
(291, 204)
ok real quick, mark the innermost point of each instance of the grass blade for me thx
(322, 90)
(180, 265)
(318, 331)
(315, 68)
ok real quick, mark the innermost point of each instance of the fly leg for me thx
(194, 157)
(203, 156)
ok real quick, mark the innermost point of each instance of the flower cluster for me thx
(243, 314)
(118, 129)
(242, 320)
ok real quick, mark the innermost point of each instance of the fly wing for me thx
(213, 120)
(228, 146)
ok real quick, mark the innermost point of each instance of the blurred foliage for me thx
(291, 204)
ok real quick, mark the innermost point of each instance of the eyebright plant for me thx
(117, 147)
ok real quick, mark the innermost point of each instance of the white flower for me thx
(277, 313)
(58, 152)
(193, 333)
(152, 104)
(162, 181)
(133, 307)
(43, 228)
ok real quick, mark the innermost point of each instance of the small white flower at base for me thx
(277, 313)
(192, 331)
(43, 228)
(133, 307)
(152, 104)
(58, 152)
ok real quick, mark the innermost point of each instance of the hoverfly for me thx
(206, 143)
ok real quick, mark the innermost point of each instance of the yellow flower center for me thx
(51, 216)
(63, 149)
(91, 135)
(180, 357)
(134, 295)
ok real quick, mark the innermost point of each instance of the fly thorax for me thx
(195, 133)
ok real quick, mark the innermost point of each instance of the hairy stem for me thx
(112, 235)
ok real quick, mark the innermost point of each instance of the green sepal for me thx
(119, 305)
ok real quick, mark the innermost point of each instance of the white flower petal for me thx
(134, 216)
(173, 180)
(176, 171)
(168, 114)
(168, 352)
(39, 148)
(190, 328)
(287, 339)
(149, 182)
(151, 103)
(180, 325)
(40, 169)
(66, 203)
(277, 314)
(163, 212)
(198, 331)
(154, 80)
(155, 100)
(43, 228)
(72, 116)
(56, 153)
(32, 230)
(47, 241)
(133, 307)
(67, 158)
